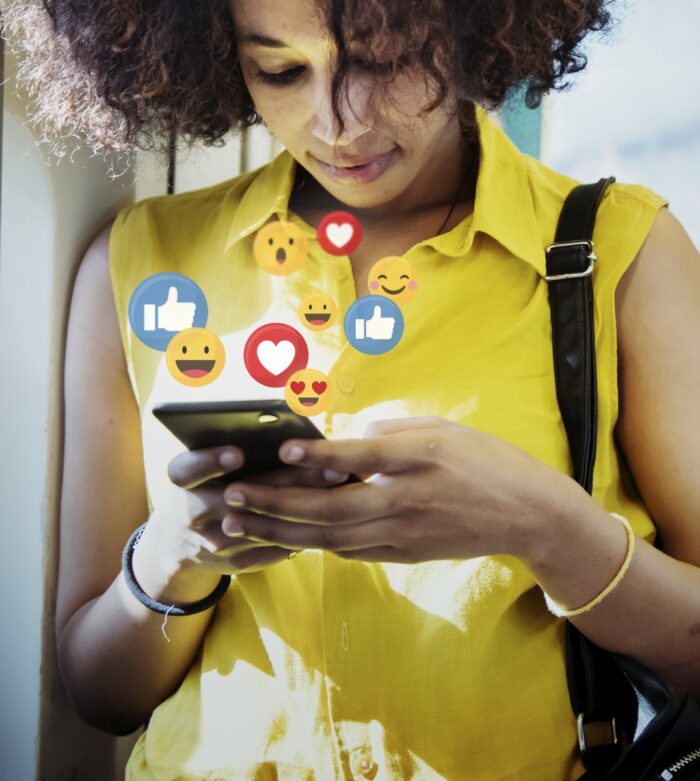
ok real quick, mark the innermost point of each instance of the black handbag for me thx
(651, 732)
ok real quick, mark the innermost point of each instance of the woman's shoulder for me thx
(200, 200)
(549, 189)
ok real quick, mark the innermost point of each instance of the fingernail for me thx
(334, 477)
(295, 453)
(235, 499)
(234, 530)
(229, 459)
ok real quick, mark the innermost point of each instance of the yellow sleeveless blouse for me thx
(320, 668)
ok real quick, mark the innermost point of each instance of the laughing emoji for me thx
(195, 356)
(395, 278)
(308, 392)
(280, 248)
(318, 311)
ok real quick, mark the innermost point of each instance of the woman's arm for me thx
(115, 662)
(654, 613)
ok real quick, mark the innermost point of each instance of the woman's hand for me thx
(183, 549)
(438, 490)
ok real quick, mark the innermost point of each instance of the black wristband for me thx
(159, 607)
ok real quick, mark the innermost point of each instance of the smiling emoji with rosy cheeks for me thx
(395, 278)
(308, 392)
(195, 356)
(318, 311)
(280, 248)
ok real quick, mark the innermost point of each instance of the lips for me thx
(367, 172)
(192, 368)
(317, 319)
(358, 163)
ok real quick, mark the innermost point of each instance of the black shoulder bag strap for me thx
(570, 262)
(632, 726)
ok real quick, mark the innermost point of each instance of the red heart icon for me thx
(297, 387)
(318, 387)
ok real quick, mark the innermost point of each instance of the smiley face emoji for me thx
(308, 392)
(318, 311)
(195, 356)
(280, 248)
(395, 278)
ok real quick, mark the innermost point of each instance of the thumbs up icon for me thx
(173, 315)
(377, 327)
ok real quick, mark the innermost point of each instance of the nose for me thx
(354, 108)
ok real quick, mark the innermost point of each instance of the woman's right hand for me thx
(183, 551)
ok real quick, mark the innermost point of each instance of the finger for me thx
(301, 476)
(194, 467)
(396, 425)
(342, 504)
(346, 537)
(355, 456)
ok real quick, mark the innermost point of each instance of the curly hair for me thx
(122, 74)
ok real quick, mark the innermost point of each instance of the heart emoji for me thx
(318, 387)
(275, 357)
(297, 387)
(340, 235)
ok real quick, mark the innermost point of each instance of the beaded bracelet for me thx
(159, 607)
(563, 613)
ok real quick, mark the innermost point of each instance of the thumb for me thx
(377, 315)
(172, 295)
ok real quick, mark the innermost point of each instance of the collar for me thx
(503, 206)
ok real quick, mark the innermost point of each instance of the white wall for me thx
(50, 211)
(634, 113)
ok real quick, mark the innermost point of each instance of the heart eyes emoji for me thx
(307, 392)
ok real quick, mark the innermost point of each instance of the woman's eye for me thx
(291, 75)
(280, 79)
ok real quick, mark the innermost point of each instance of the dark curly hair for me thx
(121, 74)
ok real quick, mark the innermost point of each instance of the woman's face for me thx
(286, 37)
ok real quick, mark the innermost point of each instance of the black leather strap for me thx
(569, 275)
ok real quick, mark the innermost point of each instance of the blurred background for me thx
(634, 113)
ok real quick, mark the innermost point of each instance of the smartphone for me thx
(258, 428)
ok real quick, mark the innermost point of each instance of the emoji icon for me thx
(373, 325)
(164, 304)
(273, 352)
(280, 247)
(395, 278)
(318, 311)
(195, 356)
(308, 392)
(339, 233)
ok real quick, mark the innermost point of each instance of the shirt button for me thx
(339, 272)
(346, 384)
(363, 765)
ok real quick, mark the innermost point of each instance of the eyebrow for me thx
(263, 40)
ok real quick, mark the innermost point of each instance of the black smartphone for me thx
(258, 428)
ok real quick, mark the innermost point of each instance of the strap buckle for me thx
(591, 257)
(583, 741)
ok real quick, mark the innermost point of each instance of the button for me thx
(339, 271)
(346, 384)
(362, 764)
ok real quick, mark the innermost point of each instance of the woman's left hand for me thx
(438, 490)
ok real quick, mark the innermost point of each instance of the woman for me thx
(410, 637)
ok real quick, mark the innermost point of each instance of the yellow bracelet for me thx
(563, 613)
